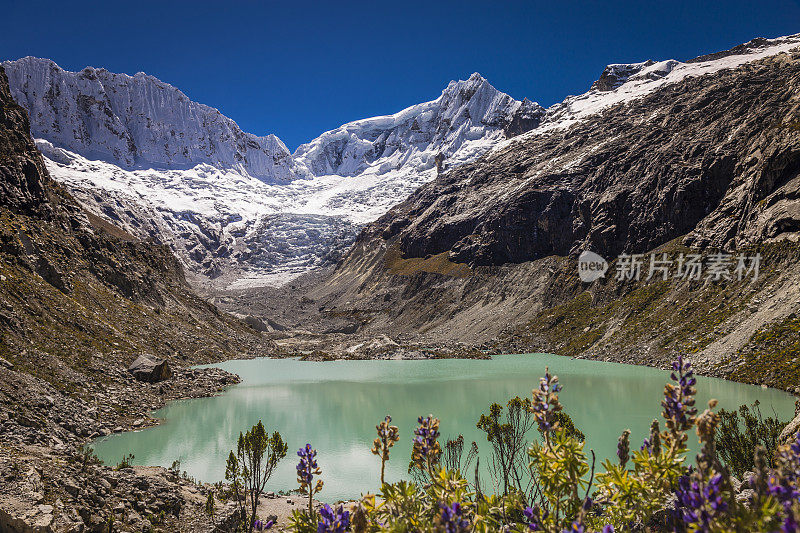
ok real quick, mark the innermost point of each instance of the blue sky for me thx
(297, 69)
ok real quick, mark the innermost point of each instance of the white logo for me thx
(591, 266)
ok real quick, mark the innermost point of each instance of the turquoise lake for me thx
(336, 405)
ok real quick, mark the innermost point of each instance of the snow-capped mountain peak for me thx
(467, 111)
(138, 122)
(236, 207)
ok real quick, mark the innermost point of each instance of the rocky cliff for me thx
(487, 251)
(716, 157)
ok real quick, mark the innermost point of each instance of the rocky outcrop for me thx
(146, 368)
(23, 177)
(45, 493)
(790, 431)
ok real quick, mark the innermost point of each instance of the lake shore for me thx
(335, 405)
(311, 346)
(43, 433)
(46, 483)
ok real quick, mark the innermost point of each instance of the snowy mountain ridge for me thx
(241, 210)
(620, 83)
(227, 220)
(460, 122)
(138, 122)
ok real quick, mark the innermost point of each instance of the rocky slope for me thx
(79, 301)
(487, 251)
(236, 208)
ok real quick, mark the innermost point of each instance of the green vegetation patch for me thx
(772, 355)
(670, 317)
(435, 264)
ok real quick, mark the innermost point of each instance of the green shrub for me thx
(736, 439)
(248, 470)
(125, 462)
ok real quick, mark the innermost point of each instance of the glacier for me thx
(240, 210)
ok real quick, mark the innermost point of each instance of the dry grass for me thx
(435, 264)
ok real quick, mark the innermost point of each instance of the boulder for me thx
(150, 370)
(263, 325)
(256, 323)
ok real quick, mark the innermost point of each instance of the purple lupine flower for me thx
(545, 401)
(608, 529)
(790, 458)
(678, 403)
(426, 449)
(789, 524)
(426, 435)
(781, 487)
(623, 448)
(795, 446)
(307, 467)
(576, 527)
(452, 519)
(333, 521)
(784, 482)
(653, 443)
(532, 517)
(259, 525)
(587, 504)
(698, 505)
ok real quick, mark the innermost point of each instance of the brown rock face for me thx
(716, 157)
(23, 176)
